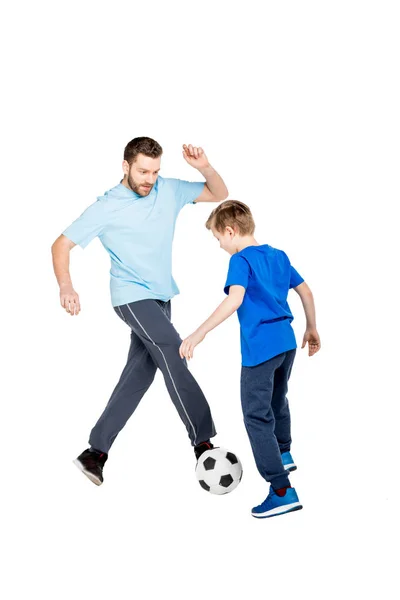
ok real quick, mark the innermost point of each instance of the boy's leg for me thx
(134, 382)
(150, 321)
(280, 405)
(257, 386)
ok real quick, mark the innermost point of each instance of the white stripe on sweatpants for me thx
(166, 364)
(123, 318)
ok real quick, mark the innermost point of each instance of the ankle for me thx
(282, 491)
(206, 442)
(202, 447)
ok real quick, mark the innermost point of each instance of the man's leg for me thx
(134, 382)
(150, 321)
(257, 385)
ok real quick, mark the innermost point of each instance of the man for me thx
(135, 222)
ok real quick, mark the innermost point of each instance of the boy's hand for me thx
(189, 344)
(314, 344)
(195, 156)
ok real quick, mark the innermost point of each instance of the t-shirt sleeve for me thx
(238, 273)
(186, 192)
(295, 278)
(88, 226)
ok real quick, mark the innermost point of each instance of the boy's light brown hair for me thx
(232, 213)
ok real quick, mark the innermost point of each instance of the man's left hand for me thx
(195, 156)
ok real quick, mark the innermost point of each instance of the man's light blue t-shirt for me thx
(264, 315)
(137, 232)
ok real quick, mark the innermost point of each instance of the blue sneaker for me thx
(288, 462)
(275, 505)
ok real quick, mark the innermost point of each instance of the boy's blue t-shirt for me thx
(264, 315)
(137, 232)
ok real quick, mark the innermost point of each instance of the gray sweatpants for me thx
(154, 344)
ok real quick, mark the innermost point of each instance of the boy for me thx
(258, 281)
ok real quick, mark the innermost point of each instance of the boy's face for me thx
(227, 239)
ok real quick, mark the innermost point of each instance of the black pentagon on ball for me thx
(226, 480)
(232, 458)
(209, 463)
(204, 485)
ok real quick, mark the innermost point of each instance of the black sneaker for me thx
(91, 463)
(200, 448)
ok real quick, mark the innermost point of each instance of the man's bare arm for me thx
(60, 250)
(215, 189)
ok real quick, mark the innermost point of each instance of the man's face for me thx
(226, 239)
(142, 174)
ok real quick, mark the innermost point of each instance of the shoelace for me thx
(271, 493)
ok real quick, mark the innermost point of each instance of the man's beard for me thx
(136, 187)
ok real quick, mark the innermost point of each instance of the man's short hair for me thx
(141, 145)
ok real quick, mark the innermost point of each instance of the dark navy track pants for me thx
(266, 414)
(154, 345)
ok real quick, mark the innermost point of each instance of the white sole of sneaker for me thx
(90, 476)
(279, 510)
(290, 466)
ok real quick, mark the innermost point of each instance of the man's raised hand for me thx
(195, 156)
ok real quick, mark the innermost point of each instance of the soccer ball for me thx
(219, 471)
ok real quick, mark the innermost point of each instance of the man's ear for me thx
(125, 167)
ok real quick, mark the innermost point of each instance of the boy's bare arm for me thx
(311, 335)
(60, 250)
(307, 300)
(224, 310)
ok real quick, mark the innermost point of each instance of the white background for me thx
(297, 106)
